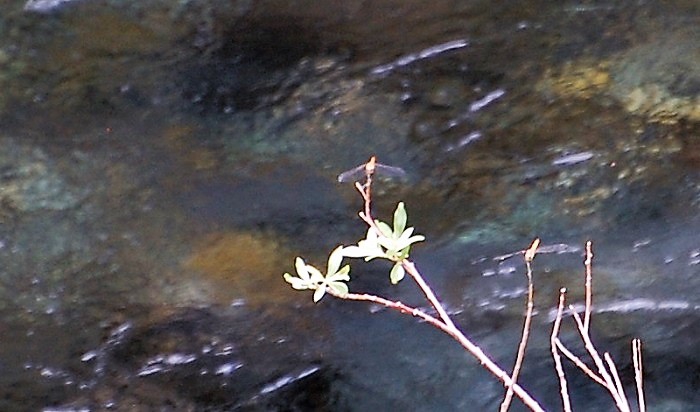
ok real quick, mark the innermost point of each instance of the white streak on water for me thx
(162, 363)
(573, 159)
(558, 248)
(423, 54)
(228, 368)
(179, 359)
(150, 370)
(466, 140)
(634, 305)
(506, 269)
(486, 100)
(287, 379)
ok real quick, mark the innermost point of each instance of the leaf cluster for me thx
(382, 241)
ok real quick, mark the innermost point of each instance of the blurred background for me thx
(162, 163)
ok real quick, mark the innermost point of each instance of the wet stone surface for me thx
(30, 182)
(198, 360)
(163, 163)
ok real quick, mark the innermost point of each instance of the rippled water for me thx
(163, 163)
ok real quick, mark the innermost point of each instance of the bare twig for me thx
(529, 256)
(410, 268)
(399, 306)
(637, 361)
(454, 333)
(607, 374)
(593, 352)
(554, 343)
(579, 363)
(588, 286)
(616, 377)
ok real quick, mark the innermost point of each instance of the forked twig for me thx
(366, 215)
(454, 333)
(579, 363)
(602, 371)
(607, 374)
(445, 323)
(410, 268)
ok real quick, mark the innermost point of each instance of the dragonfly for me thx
(371, 168)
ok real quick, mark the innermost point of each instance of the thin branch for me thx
(366, 191)
(399, 306)
(637, 361)
(616, 377)
(609, 384)
(553, 342)
(589, 286)
(457, 335)
(610, 380)
(410, 268)
(445, 323)
(579, 363)
(529, 256)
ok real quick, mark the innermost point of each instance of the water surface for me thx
(162, 165)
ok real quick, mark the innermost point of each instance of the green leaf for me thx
(316, 276)
(318, 294)
(297, 283)
(355, 251)
(406, 239)
(311, 278)
(384, 229)
(399, 218)
(334, 260)
(406, 233)
(301, 268)
(367, 248)
(388, 244)
(339, 288)
(343, 274)
(397, 273)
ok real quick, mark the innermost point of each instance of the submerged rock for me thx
(658, 80)
(199, 360)
(245, 267)
(31, 181)
(661, 78)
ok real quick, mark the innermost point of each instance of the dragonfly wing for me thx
(352, 175)
(387, 171)
(380, 170)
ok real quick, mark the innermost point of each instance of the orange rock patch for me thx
(243, 266)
